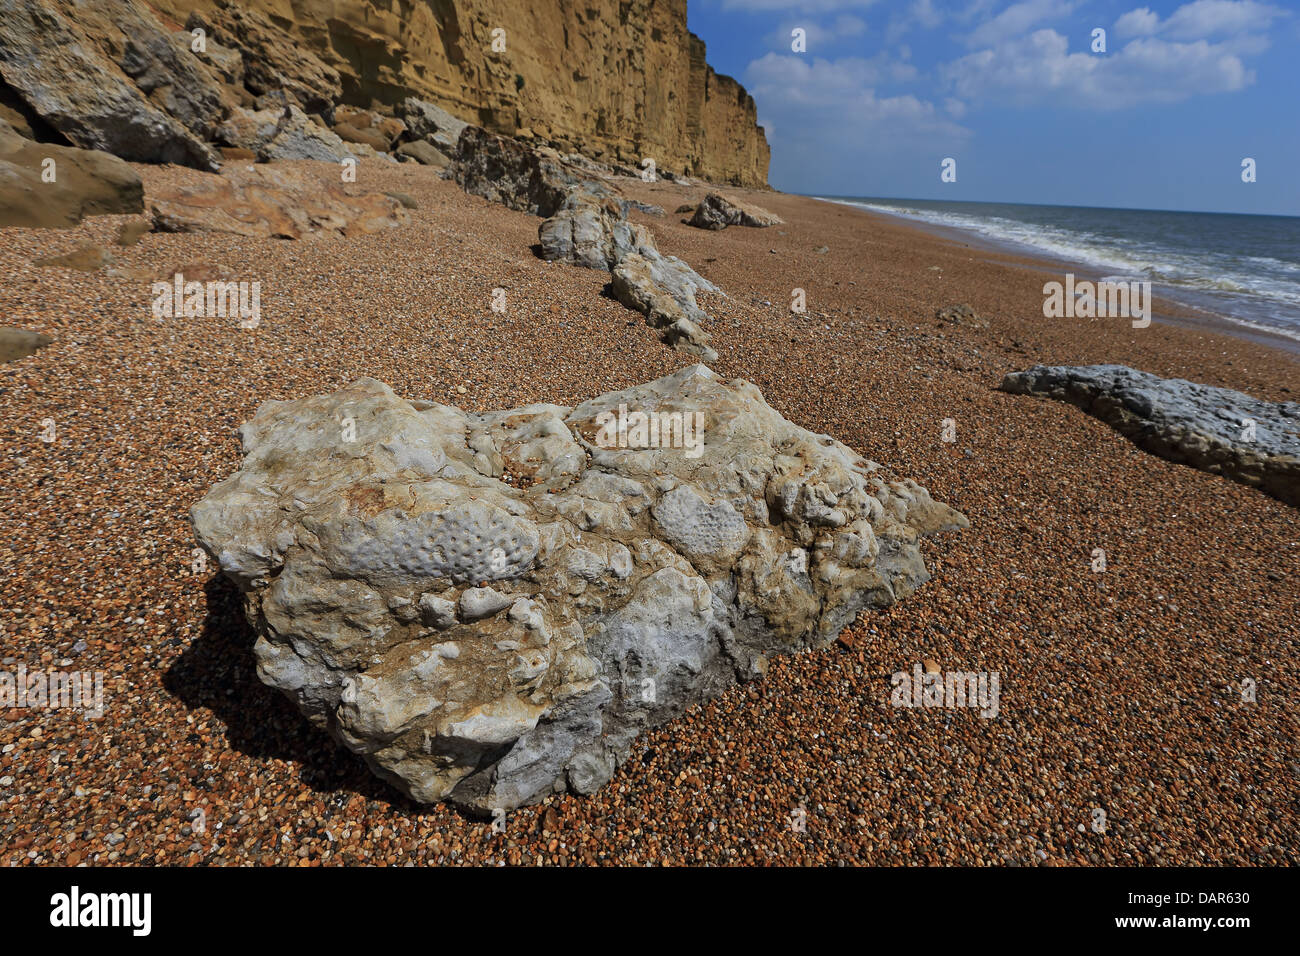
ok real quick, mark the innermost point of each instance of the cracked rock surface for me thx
(273, 202)
(718, 212)
(591, 229)
(1218, 430)
(504, 170)
(662, 288)
(493, 607)
(50, 54)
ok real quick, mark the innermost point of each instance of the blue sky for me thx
(1013, 92)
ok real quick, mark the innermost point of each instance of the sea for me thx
(1240, 269)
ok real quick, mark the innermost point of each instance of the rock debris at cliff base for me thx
(198, 81)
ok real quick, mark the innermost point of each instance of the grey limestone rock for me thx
(663, 290)
(71, 84)
(429, 121)
(586, 224)
(718, 212)
(1214, 429)
(282, 133)
(504, 170)
(591, 229)
(491, 642)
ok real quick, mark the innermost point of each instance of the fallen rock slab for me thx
(429, 121)
(71, 84)
(493, 607)
(1218, 430)
(162, 63)
(362, 151)
(273, 202)
(282, 133)
(718, 212)
(424, 153)
(366, 126)
(588, 165)
(85, 183)
(406, 199)
(506, 171)
(591, 229)
(646, 285)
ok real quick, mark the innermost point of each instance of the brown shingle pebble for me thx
(1120, 691)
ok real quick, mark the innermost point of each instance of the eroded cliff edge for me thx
(617, 80)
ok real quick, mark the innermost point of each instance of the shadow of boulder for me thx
(218, 671)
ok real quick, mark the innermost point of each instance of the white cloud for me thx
(1201, 20)
(1137, 23)
(924, 13)
(1039, 67)
(1016, 19)
(817, 80)
(809, 6)
(1200, 48)
(976, 8)
(848, 25)
(817, 35)
(817, 101)
(920, 13)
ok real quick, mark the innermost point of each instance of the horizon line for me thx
(1005, 202)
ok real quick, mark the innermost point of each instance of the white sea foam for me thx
(1253, 291)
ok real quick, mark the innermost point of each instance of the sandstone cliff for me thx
(617, 80)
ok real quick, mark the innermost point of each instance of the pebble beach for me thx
(1121, 690)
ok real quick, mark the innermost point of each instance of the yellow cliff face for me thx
(618, 81)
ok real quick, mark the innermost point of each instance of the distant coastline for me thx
(1191, 290)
